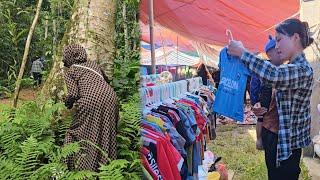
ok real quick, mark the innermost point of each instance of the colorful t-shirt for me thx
(233, 78)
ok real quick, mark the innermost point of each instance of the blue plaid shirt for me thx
(293, 83)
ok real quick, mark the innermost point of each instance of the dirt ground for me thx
(25, 95)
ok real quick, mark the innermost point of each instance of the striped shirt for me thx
(293, 83)
(36, 66)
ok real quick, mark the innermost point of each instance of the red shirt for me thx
(150, 164)
(168, 158)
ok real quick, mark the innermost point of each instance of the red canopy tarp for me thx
(166, 37)
(206, 21)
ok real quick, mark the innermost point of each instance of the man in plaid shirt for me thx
(293, 82)
(36, 71)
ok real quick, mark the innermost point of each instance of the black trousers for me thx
(289, 169)
(37, 78)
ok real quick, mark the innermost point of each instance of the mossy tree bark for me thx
(93, 26)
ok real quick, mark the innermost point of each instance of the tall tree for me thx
(25, 55)
(92, 25)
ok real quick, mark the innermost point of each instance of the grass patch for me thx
(238, 151)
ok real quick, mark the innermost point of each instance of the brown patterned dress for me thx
(97, 110)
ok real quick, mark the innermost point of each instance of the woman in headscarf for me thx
(97, 113)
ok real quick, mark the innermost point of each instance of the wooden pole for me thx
(153, 58)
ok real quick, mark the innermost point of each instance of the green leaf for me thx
(82, 175)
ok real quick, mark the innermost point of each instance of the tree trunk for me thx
(25, 55)
(46, 27)
(54, 39)
(92, 25)
(54, 29)
(125, 29)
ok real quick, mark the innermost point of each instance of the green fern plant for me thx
(128, 137)
(114, 170)
(129, 124)
(28, 158)
(29, 148)
(31, 144)
(10, 138)
(56, 169)
(8, 169)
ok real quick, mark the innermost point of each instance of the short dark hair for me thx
(293, 25)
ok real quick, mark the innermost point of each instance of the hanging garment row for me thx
(175, 131)
(158, 94)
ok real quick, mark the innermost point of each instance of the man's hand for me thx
(259, 145)
(258, 110)
(236, 48)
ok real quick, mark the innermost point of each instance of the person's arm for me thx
(211, 79)
(285, 76)
(291, 76)
(72, 87)
(209, 76)
(41, 65)
(259, 145)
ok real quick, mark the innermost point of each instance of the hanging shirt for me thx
(177, 140)
(151, 126)
(150, 163)
(164, 164)
(233, 79)
(191, 135)
(201, 121)
(168, 158)
(155, 120)
(180, 126)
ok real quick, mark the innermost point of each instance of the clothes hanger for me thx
(229, 35)
(230, 38)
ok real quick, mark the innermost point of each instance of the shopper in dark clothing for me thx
(202, 72)
(36, 71)
(216, 78)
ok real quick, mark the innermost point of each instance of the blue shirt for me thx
(177, 140)
(229, 100)
(255, 89)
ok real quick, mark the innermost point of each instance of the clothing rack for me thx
(176, 126)
(163, 92)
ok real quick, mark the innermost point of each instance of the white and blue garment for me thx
(233, 79)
